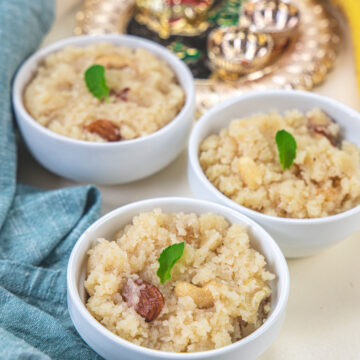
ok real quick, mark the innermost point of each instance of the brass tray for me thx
(303, 65)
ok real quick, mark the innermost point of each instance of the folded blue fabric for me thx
(38, 228)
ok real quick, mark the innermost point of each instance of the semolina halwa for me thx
(144, 93)
(218, 292)
(242, 162)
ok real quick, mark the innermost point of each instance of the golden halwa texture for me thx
(144, 92)
(242, 162)
(217, 257)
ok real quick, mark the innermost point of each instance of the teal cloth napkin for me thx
(38, 228)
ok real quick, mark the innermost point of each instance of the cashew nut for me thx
(202, 297)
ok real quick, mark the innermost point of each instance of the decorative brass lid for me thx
(237, 50)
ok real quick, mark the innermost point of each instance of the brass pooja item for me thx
(305, 34)
(172, 17)
(236, 51)
(279, 18)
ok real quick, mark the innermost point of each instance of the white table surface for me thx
(323, 316)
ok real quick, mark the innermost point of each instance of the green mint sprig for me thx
(286, 145)
(95, 81)
(168, 258)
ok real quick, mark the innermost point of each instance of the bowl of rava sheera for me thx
(88, 107)
(288, 159)
(177, 278)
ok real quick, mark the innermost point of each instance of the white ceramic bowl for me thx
(111, 346)
(296, 237)
(105, 163)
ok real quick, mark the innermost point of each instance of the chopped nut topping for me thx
(104, 128)
(122, 95)
(323, 128)
(144, 297)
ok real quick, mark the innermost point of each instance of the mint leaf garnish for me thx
(286, 145)
(95, 81)
(168, 258)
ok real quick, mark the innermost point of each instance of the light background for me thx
(323, 317)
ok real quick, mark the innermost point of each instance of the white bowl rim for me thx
(83, 40)
(194, 159)
(157, 202)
